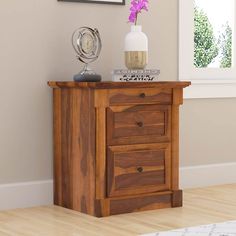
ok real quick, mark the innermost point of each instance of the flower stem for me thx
(136, 19)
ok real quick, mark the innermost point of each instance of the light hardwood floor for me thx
(201, 206)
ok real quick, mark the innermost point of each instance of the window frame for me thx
(206, 82)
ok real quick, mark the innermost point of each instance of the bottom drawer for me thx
(137, 169)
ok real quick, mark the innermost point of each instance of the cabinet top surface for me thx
(114, 85)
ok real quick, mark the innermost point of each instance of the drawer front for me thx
(140, 96)
(138, 124)
(137, 169)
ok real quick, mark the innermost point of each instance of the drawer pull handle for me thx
(140, 169)
(140, 124)
(142, 95)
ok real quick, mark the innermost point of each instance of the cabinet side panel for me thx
(76, 159)
(101, 103)
(57, 169)
(177, 101)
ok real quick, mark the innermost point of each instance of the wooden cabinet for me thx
(116, 146)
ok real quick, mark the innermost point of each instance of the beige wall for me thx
(208, 131)
(35, 47)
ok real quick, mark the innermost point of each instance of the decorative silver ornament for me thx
(87, 45)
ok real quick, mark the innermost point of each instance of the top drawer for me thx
(140, 96)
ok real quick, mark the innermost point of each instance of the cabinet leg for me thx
(177, 198)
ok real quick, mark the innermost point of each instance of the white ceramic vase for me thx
(136, 49)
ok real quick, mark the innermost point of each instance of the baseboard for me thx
(207, 175)
(26, 194)
(37, 193)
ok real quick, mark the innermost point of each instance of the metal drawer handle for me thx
(140, 169)
(140, 124)
(142, 95)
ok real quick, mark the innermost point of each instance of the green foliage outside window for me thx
(226, 47)
(205, 44)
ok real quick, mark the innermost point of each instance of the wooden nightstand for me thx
(116, 146)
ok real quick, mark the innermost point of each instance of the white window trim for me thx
(223, 82)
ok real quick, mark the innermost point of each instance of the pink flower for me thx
(136, 7)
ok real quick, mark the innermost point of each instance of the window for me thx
(213, 33)
(207, 37)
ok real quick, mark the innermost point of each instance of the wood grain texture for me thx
(177, 101)
(74, 163)
(138, 124)
(140, 96)
(141, 203)
(100, 102)
(177, 198)
(119, 85)
(116, 146)
(136, 169)
(57, 142)
(135, 180)
(100, 153)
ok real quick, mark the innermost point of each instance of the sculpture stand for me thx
(87, 75)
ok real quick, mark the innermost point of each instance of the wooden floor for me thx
(201, 206)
